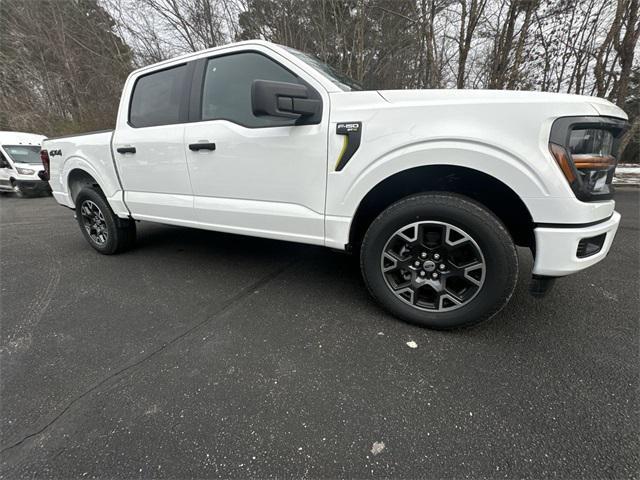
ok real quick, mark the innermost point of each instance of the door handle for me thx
(201, 146)
(126, 149)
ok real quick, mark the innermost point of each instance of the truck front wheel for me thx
(102, 228)
(439, 260)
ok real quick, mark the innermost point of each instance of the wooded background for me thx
(63, 62)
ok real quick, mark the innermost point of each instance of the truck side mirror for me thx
(282, 99)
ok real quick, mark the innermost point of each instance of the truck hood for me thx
(444, 96)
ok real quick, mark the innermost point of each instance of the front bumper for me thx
(557, 247)
(32, 185)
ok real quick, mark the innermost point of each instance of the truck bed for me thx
(90, 152)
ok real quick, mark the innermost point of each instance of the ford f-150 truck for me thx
(433, 189)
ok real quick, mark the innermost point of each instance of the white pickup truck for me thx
(432, 188)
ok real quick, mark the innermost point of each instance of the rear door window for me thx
(157, 98)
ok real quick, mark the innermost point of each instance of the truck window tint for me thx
(156, 98)
(227, 88)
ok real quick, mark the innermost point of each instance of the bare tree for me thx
(64, 75)
(470, 15)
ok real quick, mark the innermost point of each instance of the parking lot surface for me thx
(200, 354)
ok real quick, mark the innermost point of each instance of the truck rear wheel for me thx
(439, 260)
(102, 228)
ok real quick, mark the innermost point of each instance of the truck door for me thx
(261, 176)
(148, 146)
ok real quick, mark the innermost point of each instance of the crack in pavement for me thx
(227, 305)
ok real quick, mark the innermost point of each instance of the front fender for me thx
(506, 167)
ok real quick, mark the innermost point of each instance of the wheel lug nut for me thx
(423, 255)
(436, 256)
(417, 263)
(442, 266)
(434, 274)
(422, 273)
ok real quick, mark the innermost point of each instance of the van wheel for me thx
(439, 260)
(104, 231)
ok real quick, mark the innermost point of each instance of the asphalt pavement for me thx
(200, 354)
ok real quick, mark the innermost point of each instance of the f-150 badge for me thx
(352, 132)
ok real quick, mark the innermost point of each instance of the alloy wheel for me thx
(94, 222)
(433, 266)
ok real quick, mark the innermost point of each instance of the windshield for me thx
(345, 83)
(23, 153)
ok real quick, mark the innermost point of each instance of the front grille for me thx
(590, 246)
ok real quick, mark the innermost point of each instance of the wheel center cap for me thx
(429, 266)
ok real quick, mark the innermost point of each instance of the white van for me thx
(20, 163)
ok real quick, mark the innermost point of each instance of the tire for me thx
(104, 231)
(439, 260)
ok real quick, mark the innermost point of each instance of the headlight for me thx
(591, 149)
(591, 141)
(592, 154)
(585, 149)
(25, 171)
